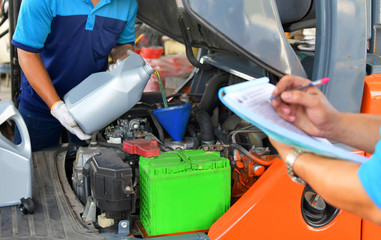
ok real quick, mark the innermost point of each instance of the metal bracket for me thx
(89, 214)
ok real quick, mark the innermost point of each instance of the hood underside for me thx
(215, 25)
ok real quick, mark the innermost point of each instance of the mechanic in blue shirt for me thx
(59, 44)
(344, 184)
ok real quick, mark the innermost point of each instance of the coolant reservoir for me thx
(104, 96)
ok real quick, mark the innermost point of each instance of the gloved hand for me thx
(60, 111)
(114, 65)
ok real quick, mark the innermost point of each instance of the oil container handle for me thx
(8, 111)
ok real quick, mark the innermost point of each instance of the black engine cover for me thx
(111, 182)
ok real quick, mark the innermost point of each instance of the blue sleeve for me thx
(33, 25)
(128, 33)
(370, 176)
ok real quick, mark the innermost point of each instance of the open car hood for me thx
(253, 29)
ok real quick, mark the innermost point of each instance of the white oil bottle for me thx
(104, 96)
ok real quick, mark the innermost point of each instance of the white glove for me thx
(114, 65)
(62, 114)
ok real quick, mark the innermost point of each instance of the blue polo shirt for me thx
(370, 175)
(73, 38)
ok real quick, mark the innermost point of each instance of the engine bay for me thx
(105, 175)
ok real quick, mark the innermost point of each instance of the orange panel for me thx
(271, 209)
(371, 101)
(370, 231)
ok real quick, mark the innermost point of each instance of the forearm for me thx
(338, 183)
(38, 76)
(120, 52)
(360, 131)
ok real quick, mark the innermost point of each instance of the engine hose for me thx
(159, 128)
(86, 182)
(209, 99)
(193, 134)
(206, 106)
(206, 126)
(251, 156)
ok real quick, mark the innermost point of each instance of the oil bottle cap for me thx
(148, 69)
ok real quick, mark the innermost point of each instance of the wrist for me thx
(290, 160)
(54, 104)
(333, 130)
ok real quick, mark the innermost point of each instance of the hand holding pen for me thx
(309, 110)
(311, 84)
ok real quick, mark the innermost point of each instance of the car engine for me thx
(105, 174)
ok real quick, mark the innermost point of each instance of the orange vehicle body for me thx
(271, 208)
(371, 101)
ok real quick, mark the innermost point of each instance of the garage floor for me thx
(53, 216)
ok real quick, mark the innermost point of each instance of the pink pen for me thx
(314, 83)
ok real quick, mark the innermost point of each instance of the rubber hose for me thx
(86, 182)
(205, 123)
(251, 156)
(193, 134)
(209, 99)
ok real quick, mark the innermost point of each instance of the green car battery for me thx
(183, 191)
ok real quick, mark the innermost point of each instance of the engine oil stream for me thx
(161, 88)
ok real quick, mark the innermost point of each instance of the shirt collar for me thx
(102, 2)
